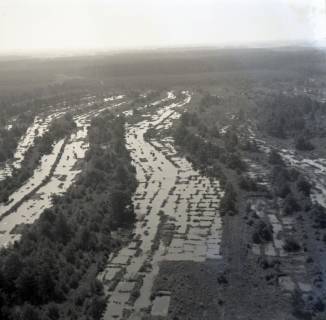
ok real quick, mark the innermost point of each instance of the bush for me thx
(291, 245)
(121, 214)
(97, 307)
(284, 190)
(304, 186)
(291, 205)
(275, 158)
(53, 311)
(228, 202)
(300, 307)
(235, 162)
(263, 233)
(318, 213)
(250, 146)
(293, 174)
(303, 144)
(248, 184)
(29, 313)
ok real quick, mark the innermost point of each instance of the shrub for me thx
(319, 215)
(283, 191)
(53, 311)
(304, 186)
(291, 205)
(228, 202)
(275, 158)
(291, 245)
(263, 233)
(248, 184)
(235, 162)
(303, 144)
(30, 313)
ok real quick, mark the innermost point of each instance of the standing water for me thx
(62, 178)
(168, 189)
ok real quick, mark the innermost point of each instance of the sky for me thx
(73, 25)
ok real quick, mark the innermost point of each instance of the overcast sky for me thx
(28, 25)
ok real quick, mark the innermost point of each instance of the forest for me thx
(51, 272)
(298, 117)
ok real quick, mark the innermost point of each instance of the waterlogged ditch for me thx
(314, 169)
(178, 222)
(177, 219)
(37, 129)
(54, 175)
(297, 274)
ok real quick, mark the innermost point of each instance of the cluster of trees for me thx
(209, 100)
(51, 272)
(304, 144)
(149, 97)
(229, 201)
(318, 214)
(290, 185)
(59, 129)
(21, 108)
(41, 98)
(205, 146)
(298, 117)
(263, 232)
(211, 152)
(248, 184)
(204, 151)
(294, 190)
(9, 141)
(9, 138)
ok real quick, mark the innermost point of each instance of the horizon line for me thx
(62, 52)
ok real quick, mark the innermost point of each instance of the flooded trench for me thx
(296, 276)
(170, 192)
(37, 129)
(314, 169)
(64, 160)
